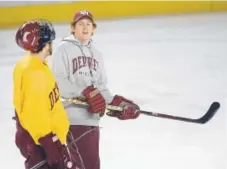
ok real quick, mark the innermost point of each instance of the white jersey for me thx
(76, 67)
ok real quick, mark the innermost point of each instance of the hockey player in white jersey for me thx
(79, 70)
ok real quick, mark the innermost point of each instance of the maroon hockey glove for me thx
(55, 152)
(130, 109)
(95, 100)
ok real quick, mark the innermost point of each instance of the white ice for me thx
(173, 64)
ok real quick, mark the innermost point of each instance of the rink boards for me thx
(15, 13)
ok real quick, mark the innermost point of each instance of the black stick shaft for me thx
(205, 118)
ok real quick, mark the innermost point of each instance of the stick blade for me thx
(210, 113)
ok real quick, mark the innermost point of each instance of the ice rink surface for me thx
(173, 64)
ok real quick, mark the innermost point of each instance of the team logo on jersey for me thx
(83, 61)
(54, 96)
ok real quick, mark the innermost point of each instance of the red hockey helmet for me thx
(34, 35)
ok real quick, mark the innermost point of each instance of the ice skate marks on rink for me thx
(174, 64)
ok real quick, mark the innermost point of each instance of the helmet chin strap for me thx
(50, 50)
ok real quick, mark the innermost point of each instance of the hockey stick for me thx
(39, 165)
(202, 120)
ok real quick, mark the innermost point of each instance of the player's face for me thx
(83, 30)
